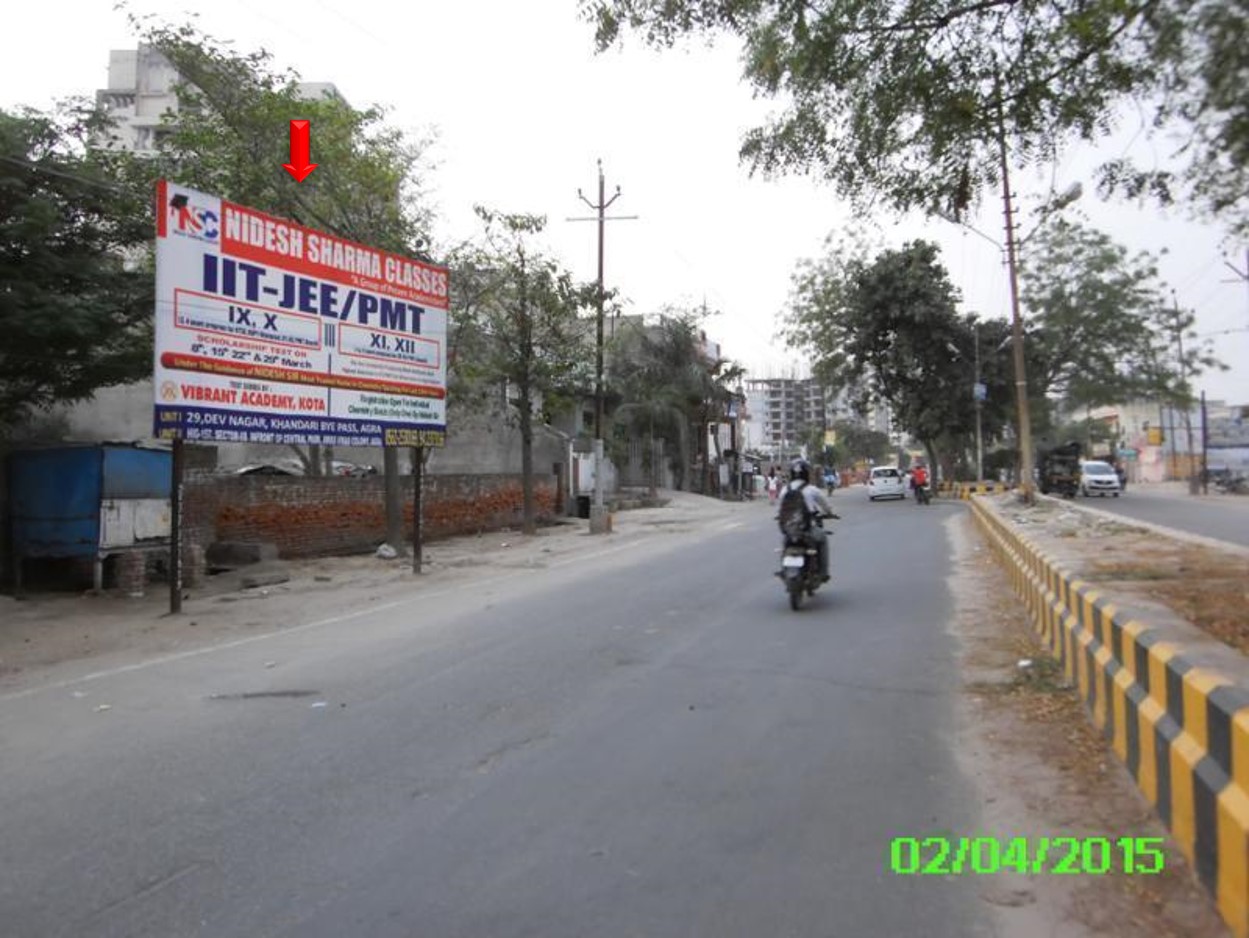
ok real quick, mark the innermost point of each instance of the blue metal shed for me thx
(88, 501)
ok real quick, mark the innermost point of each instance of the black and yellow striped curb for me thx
(1181, 728)
(965, 490)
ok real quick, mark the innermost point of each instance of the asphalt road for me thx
(1224, 517)
(642, 741)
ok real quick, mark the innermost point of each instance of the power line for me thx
(86, 180)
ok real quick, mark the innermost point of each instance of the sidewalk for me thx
(49, 630)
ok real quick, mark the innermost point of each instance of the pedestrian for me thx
(774, 486)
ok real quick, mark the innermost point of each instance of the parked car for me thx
(886, 482)
(268, 469)
(1100, 477)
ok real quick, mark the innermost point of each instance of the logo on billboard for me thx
(168, 391)
(193, 221)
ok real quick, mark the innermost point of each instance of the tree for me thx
(76, 300)
(856, 442)
(914, 101)
(533, 338)
(1166, 368)
(647, 368)
(665, 379)
(887, 330)
(1090, 306)
(230, 137)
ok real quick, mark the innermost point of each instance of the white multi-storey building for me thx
(142, 89)
(784, 412)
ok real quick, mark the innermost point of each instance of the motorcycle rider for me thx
(816, 504)
(919, 478)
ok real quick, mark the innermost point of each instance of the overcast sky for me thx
(523, 108)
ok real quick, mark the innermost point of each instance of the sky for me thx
(523, 109)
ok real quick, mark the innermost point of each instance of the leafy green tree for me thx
(1169, 359)
(230, 137)
(665, 380)
(76, 300)
(531, 334)
(914, 101)
(1090, 305)
(855, 442)
(887, 331)
(647, 368)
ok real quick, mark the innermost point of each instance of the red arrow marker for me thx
(301, 146)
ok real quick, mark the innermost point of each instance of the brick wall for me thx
(308, 517)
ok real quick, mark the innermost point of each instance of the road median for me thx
(1172, 697)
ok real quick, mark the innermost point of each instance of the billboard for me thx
(270, 332)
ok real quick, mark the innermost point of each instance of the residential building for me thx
(141, 90)
(783, 414)
(1154, 438)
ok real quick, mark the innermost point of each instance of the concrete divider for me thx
(1173, 701)
(965, 490)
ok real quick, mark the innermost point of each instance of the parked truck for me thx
(1058, 469)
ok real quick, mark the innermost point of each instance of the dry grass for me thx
(1201, 585)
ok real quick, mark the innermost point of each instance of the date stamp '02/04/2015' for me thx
(1069, 856)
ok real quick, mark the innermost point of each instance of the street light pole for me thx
(978, 391)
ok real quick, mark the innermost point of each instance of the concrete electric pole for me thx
(600, 521)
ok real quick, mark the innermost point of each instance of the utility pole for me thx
(1188, 418)
(1205, 447)
(1021, 380)
(979, 393)
(600, 521)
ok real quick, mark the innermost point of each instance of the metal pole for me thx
(979, 408)
(418, 465)
(1021, 380)
(1188, 417)
(175, 528)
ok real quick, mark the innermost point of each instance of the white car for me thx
(886, 482)
(1100, 477)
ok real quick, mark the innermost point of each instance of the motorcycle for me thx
(800, 563)
(1231, 483)
(923, 494)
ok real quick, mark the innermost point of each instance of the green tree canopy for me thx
(669, 386)
(887, 330)
(1090, 308)
(911, 101)
(230, 137)
(856, 441)
(76, 300)
(529, 334)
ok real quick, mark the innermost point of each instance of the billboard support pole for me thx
(418, 461)
(175, 528)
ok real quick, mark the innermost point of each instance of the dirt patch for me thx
(1199, 584)
(1203, 585)
(1042, 770)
